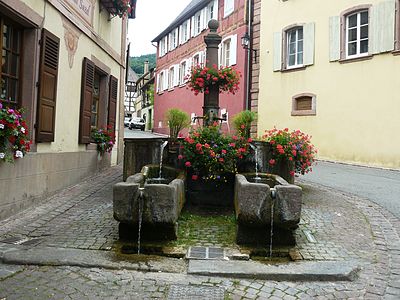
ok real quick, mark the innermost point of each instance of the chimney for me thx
(146, 67)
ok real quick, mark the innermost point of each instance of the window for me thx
(182, 72)
(294, 44)
(228, 51)
(197, 23)
(173, 39)
(160, 82)
(196, 59)
(163, 46)
(10, 45)
(171, 77)
(293, 48)
(304, 105)
(357, 34)
(229, 6)
(184, 32)
(98, 108)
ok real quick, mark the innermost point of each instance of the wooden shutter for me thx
(334, 38)
(86, 101)
(277, 64)
(382, 27)
(309, 37)
(112, 102)
(48, 73)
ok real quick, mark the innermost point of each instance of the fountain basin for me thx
(253, 204)
(161, 206)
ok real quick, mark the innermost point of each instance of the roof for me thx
(192, 7)
(132, 76)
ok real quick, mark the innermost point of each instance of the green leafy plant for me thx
(14, 141)
(242, 122)
(177, 120)
(104, 138)
(201, 78)
(121, 7)
(293, 146)
(209, 154)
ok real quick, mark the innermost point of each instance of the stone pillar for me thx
(211, 100)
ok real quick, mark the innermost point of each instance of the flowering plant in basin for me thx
(201, 78)
(293, 146)
(210, 155)
(14, 141)
(104, 138)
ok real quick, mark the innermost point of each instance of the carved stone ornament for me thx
(71, 38)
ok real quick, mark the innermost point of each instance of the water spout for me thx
(161, 158)
(256, 161)
(140, 215)
(271, 234)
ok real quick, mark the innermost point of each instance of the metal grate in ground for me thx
(205, 253)
(195, 292)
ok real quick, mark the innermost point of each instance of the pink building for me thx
(181, 45)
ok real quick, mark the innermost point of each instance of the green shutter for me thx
(334, 38)
(309, 41)
(382, 27)
(277, 64)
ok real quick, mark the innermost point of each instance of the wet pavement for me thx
(63, 249)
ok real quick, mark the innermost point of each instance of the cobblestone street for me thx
(334, 227)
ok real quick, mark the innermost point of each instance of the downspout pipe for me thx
(249, 52)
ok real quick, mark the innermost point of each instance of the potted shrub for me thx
(14, 141)
(242, 122)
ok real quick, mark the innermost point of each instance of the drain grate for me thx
(205, 253)
(195, 292)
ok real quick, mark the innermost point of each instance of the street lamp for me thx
(246, 44)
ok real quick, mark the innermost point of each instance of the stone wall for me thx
(39, 175)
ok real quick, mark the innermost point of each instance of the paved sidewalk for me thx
(78, 222)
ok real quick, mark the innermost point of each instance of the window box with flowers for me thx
(118, 8)
(104, 138)
(290, 153)
(14, 141)
(211, 158)
(202, 78)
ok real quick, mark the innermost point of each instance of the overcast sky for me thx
(152, 17)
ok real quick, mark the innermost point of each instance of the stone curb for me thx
(49, 256)
(294, 271)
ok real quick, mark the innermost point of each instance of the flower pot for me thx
(216, 192)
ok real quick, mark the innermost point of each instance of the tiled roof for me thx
(192, 7)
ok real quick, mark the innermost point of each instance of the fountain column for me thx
(211, 100)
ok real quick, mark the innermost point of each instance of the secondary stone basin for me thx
(257, 201)
(156, 208)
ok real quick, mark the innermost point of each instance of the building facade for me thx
(145, 96)
(64, 64)
(333, 71)
(181, 46)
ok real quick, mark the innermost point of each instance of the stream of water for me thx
(161, 158)
(140, 215)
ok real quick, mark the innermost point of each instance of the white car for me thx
(126, 121)
(138, 123)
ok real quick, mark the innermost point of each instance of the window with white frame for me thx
(228, 51)
(357, 34)
(211, 11)
(182, 72)
(184, 32)
(163, 46)
(171, 78)
(196, 59)
(160, 82)
(294, 47)
(173, 39)
(229, 6)
(197, 23)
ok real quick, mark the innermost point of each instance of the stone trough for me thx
(253, 205)
(161, 203)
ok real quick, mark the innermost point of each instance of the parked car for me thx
(138, 123)
(126, 121)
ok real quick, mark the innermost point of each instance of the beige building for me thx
(67, 70)
(332, 71)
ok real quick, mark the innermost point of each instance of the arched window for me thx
(304, 105)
